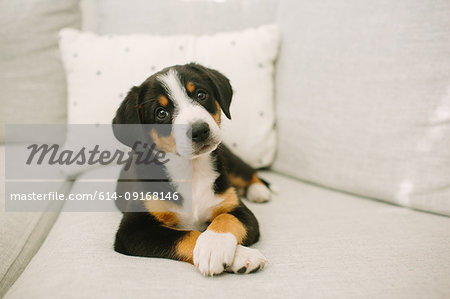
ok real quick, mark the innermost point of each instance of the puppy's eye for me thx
(161, 113)
(202, 95)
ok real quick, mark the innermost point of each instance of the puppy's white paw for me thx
(214, 252)
(257, 192)
(247, 260)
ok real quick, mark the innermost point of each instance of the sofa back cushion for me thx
(32, 78)
(363, 98)
(182, 17)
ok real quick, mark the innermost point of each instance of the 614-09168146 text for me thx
(57, 196)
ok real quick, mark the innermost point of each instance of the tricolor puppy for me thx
(213, 236)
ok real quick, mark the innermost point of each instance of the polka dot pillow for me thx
(101, 69)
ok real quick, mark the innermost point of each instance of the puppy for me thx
(215, 234)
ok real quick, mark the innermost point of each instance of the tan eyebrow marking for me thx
(216, 116)
(190, 86)
(163, 101)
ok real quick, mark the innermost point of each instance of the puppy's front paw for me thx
(247, 260)
(257, 192)
(213, 252)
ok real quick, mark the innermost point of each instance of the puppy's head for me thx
(188, 100)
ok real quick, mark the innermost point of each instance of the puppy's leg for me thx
(244, 178)
(232, 224)
(141, 234)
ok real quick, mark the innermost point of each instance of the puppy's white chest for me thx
(203, 197)
(201, 194)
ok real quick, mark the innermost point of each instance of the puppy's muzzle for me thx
(199, 131)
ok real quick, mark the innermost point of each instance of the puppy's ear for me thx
(128, 109)
(126, 115)
(222, 87)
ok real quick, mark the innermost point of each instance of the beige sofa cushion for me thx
(363, 98)
(168, 17)
(319, 243)
(32, 81)
(21, 233)
(21, 237)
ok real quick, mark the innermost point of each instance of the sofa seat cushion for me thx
(318, 242)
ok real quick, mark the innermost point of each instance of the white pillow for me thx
(101, 70)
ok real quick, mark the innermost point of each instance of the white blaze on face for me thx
(187, 112)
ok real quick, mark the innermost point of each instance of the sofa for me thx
(361, 166)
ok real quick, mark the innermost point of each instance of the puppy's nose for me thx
(199, 131)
